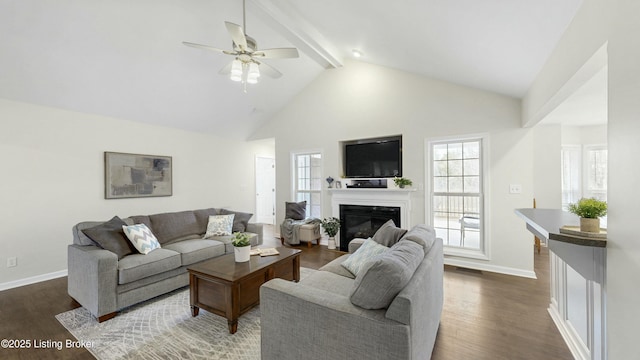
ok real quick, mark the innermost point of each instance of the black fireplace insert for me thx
(361, 221)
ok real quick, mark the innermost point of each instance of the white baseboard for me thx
(33, 280)
(488, 267)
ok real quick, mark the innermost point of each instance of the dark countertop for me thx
(546, 223)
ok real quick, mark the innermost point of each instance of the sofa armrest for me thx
(256, 228)
(299, 321)
(92, 278)
(355, 244)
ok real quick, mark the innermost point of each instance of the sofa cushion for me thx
(388, 234)
(141, 237)
(193, 251)
(335, 266)
(240, 220)
(110, 236)
(170, 226)
(219, 225)
(365, 253)
(295, 210)
(138, 266)
(422, 234)
(329, 282)
(378, 283)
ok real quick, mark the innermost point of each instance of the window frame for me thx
(483, 253)
(294, 180)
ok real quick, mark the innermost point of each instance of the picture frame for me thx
(338, 185)
(137, 175)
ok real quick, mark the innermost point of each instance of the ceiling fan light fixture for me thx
(253, 74)
(236, 70)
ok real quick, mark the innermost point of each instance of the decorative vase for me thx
(590, 225)
(401, 186)
(242, 254)
(332, 243)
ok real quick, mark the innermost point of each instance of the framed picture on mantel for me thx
(136, 175)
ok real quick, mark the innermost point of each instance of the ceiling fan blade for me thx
(237, 35)
(206, 47)
(269, 70)
(226, 70)
(280, 53)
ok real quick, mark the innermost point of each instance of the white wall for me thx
(547, 166)
(53, 177)
(362, 100)
(614, 22)
(623, 246)
(584, 135)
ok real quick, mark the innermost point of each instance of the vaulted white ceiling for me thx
(125, 59)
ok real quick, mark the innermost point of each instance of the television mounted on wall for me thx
(373, 158)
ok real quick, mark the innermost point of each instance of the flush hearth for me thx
(361, 221)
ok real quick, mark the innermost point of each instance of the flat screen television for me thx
(373, 158)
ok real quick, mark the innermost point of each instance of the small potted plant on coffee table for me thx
(331, 225)
(241, 247)
(590, 211)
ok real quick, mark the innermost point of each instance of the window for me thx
(584, 173)
(595, 184)
(307, 180)
(456, 196)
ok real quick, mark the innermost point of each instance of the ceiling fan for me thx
(247, 67)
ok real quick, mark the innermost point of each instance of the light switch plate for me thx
(515, 189)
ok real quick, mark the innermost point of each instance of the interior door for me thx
(265, 190)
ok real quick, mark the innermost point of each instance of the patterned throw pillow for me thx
(365, 253)
(141, 237)
(220, 225)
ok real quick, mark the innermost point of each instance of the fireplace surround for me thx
(400, 199)
(362, 221)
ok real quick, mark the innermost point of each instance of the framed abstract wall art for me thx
(136, 175)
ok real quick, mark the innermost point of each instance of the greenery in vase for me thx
(589, 208)
(331, 226)
(402, 182)
(240, 239)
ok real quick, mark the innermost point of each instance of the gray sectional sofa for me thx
(332, 314)
(107, 276)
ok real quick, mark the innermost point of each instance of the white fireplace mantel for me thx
(374, 197)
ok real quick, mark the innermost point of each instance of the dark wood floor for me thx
(485, 316)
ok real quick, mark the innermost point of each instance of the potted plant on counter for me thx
(241, 247)
(590, 211)
(331, 225)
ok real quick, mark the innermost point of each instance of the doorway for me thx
(265, 190)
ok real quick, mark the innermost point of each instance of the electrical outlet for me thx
(12, 261)
(515, 189)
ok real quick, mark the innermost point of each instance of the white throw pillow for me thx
(368, 251)
(219, 225)
(141, 237)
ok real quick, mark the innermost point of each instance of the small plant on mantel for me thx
(240, 239)
(402, 182)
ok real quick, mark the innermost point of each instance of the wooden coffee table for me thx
(227, 288)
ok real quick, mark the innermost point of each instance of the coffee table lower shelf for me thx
(226, 288)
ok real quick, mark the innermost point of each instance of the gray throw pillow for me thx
(422, 234)
(109, 236)
(378, 283)
(388, 234)
(240, 220)
(296, 211)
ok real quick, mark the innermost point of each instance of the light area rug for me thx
(163, 328)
